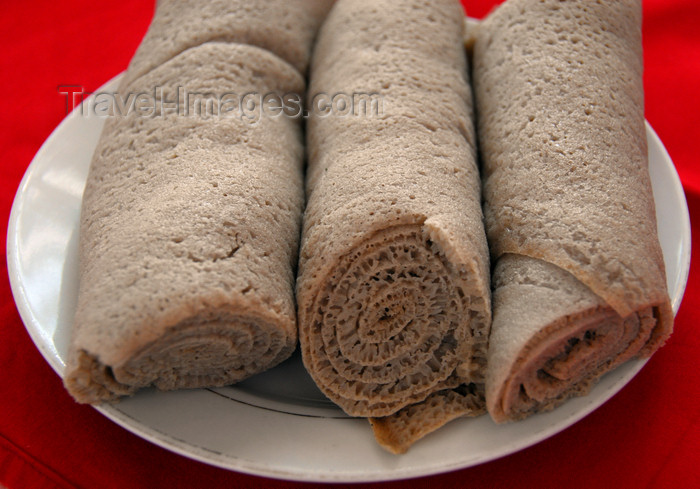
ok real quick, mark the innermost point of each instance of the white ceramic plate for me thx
(276, 424)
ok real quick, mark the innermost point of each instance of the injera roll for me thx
(286, 28)
(393, 285)
(579, 281)
(189, 233)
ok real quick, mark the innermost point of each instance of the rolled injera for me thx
(393, 286)
(189, 228)
(579, 280)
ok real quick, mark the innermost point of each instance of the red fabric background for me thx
(646, 436)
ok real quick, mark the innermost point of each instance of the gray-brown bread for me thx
(189, 233)
(558, 88)
(284, 27)
(393, 284)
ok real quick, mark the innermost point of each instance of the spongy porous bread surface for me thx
(393, 284)
(561, 105)
(398, 432)
(189, 233)
(284, 27)
(558, 88)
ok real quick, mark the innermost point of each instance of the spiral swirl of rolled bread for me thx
(579, 280)
(393, 284)
(190, 225)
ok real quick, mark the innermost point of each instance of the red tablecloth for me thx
(646, 436)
